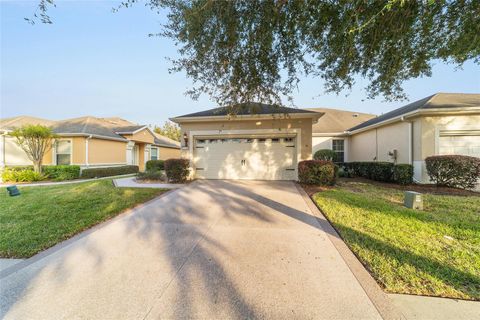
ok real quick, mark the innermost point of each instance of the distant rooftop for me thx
(338, 121)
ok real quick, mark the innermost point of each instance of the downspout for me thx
(410, 143)
(86, 150)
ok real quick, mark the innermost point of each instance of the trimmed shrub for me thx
(108, 171)
(21, 174)
(403, 174)
(453, 170)
(325, 154)
(379, 171)
(319, 172)
(155, 165)
(152, 175)
(177, 170)
(62, 172)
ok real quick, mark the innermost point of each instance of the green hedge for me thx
(454, 170)
(108, 171)
(325, 154)
(380, 171)
(26, 173)
(152, 175)
(62, 172)
(177, 170)
(319, 172)
(155, 165)
(403, 174)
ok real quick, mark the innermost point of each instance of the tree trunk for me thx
(37, 166)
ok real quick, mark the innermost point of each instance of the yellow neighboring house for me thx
(90, 142)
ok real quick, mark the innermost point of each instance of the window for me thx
(339, 147)
(288, 140)
(153, 154)
(63, 151)
(275, 140)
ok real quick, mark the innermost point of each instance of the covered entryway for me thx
(253, 158)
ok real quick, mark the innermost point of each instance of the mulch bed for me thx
(421, 188)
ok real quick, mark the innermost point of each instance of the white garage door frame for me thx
(246, 132)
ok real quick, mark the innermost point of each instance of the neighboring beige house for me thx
(444, 123)
(330, 132)
(90, 142)
(266, 145)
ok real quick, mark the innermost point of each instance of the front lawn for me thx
(434, 252)
(43, 216)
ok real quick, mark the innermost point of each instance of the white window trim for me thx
(55, 151)
(344, 147)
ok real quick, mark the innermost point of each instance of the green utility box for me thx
(13, 191)
(413, 200)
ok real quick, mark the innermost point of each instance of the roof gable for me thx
(338, 121)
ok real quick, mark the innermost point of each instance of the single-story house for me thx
(264, 145)
(269, 143)
(90, 142)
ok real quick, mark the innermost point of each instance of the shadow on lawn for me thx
(468, 285)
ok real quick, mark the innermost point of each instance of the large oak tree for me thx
(252, 50)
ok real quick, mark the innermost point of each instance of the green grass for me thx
(406, 250)
(43, 216)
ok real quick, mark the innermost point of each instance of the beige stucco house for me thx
(265, 145)
(269, 143)
(444, 123)
(90, 142)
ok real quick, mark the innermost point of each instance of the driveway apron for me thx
(212, 249)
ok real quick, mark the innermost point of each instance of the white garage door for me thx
(263, 158)
(468, 145)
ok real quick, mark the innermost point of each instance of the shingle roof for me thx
(246, 109)
(166, 142)
(16, 122)
(338, 121)
(436, 101)
(127, 129)
(87, 125)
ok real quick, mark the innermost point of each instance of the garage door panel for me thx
(245, 159)
(460, 145)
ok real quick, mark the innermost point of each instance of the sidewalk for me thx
(132, 183)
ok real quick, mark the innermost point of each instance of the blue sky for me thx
(95, 62)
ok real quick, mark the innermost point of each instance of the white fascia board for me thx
(249, 117)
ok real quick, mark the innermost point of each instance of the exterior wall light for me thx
(185, 139)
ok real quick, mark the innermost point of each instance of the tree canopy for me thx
(35, 141)
(254, 50)
(169, 129)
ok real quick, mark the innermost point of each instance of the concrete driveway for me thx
(213, 249)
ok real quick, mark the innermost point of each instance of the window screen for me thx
(153, 154)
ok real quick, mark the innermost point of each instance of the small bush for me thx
(152, 175)
(62, 172)
(381, 171)
(325, 154)
(177, 170)
(108, 171)
(19, 174)
(155, 165)
(454, 170)
(403, 174)
(319, 172)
